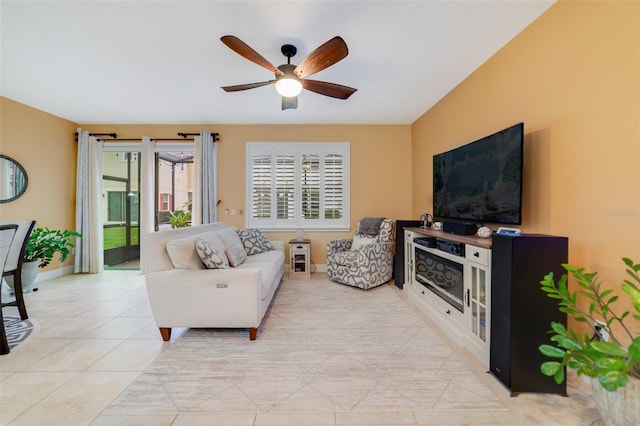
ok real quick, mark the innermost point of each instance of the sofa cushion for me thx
(211, 257)
(254, 241)
(274, 256)
(183, 254)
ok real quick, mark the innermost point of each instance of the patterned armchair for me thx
(365, 261)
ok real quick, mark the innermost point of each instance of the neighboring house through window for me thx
(165, 202)
(298, 185)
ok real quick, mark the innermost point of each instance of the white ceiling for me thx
(162, 62)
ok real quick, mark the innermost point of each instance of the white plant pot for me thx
(29, 275)
(621, 408)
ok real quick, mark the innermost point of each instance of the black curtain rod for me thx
(114, 137)
(214, 135)
(119, 140)
(140, 140)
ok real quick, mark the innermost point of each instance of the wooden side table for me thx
(300, 259)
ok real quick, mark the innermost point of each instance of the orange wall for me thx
(44, 145)
(380, 166)
(573, 77)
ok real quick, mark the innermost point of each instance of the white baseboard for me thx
(7, 292)
(55, 273)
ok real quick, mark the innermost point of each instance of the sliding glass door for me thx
(173, 194)
(121, 209)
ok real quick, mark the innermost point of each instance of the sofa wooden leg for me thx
(253, 332)
(165, 332)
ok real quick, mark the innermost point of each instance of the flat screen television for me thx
(481, 182)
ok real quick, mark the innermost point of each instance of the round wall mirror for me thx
(13, 179)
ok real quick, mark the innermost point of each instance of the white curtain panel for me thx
(147, 185)
(205, 188)
(89, 248)
(147, 188)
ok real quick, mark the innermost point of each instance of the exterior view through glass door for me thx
(173, 196)
(121, 209)
(174, 188)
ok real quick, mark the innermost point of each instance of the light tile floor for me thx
(97, 335)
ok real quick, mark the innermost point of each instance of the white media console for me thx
(448, 277)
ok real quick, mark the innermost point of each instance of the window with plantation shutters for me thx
(297, 185)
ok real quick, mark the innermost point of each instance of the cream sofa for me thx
(183, 293)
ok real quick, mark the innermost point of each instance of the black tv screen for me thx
(481, 181)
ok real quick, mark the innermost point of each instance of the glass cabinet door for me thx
(478, 303)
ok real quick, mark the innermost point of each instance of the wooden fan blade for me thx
(323, 57)
(329, 89)
(289, 103)
(239, 87)
(243, 49)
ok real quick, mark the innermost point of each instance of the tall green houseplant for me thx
(612, 356)
(44, 243)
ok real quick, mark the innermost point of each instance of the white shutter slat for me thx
(285, 186)
(261, 194)
(333, 187)
(310, 186)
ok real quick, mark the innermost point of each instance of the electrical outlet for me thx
(601, 331)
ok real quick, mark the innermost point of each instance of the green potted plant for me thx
(609, 352)
(42, 245)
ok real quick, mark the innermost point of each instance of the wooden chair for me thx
(13, 265)
(7, 234)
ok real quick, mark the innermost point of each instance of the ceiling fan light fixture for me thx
(290, 79)
(288, 87)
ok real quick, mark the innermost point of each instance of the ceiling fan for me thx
(291, 79)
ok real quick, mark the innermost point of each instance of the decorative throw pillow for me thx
(210, 256)
(254, 241)
(236, 255)
(361, 240)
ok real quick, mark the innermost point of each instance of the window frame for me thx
(298, 149)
